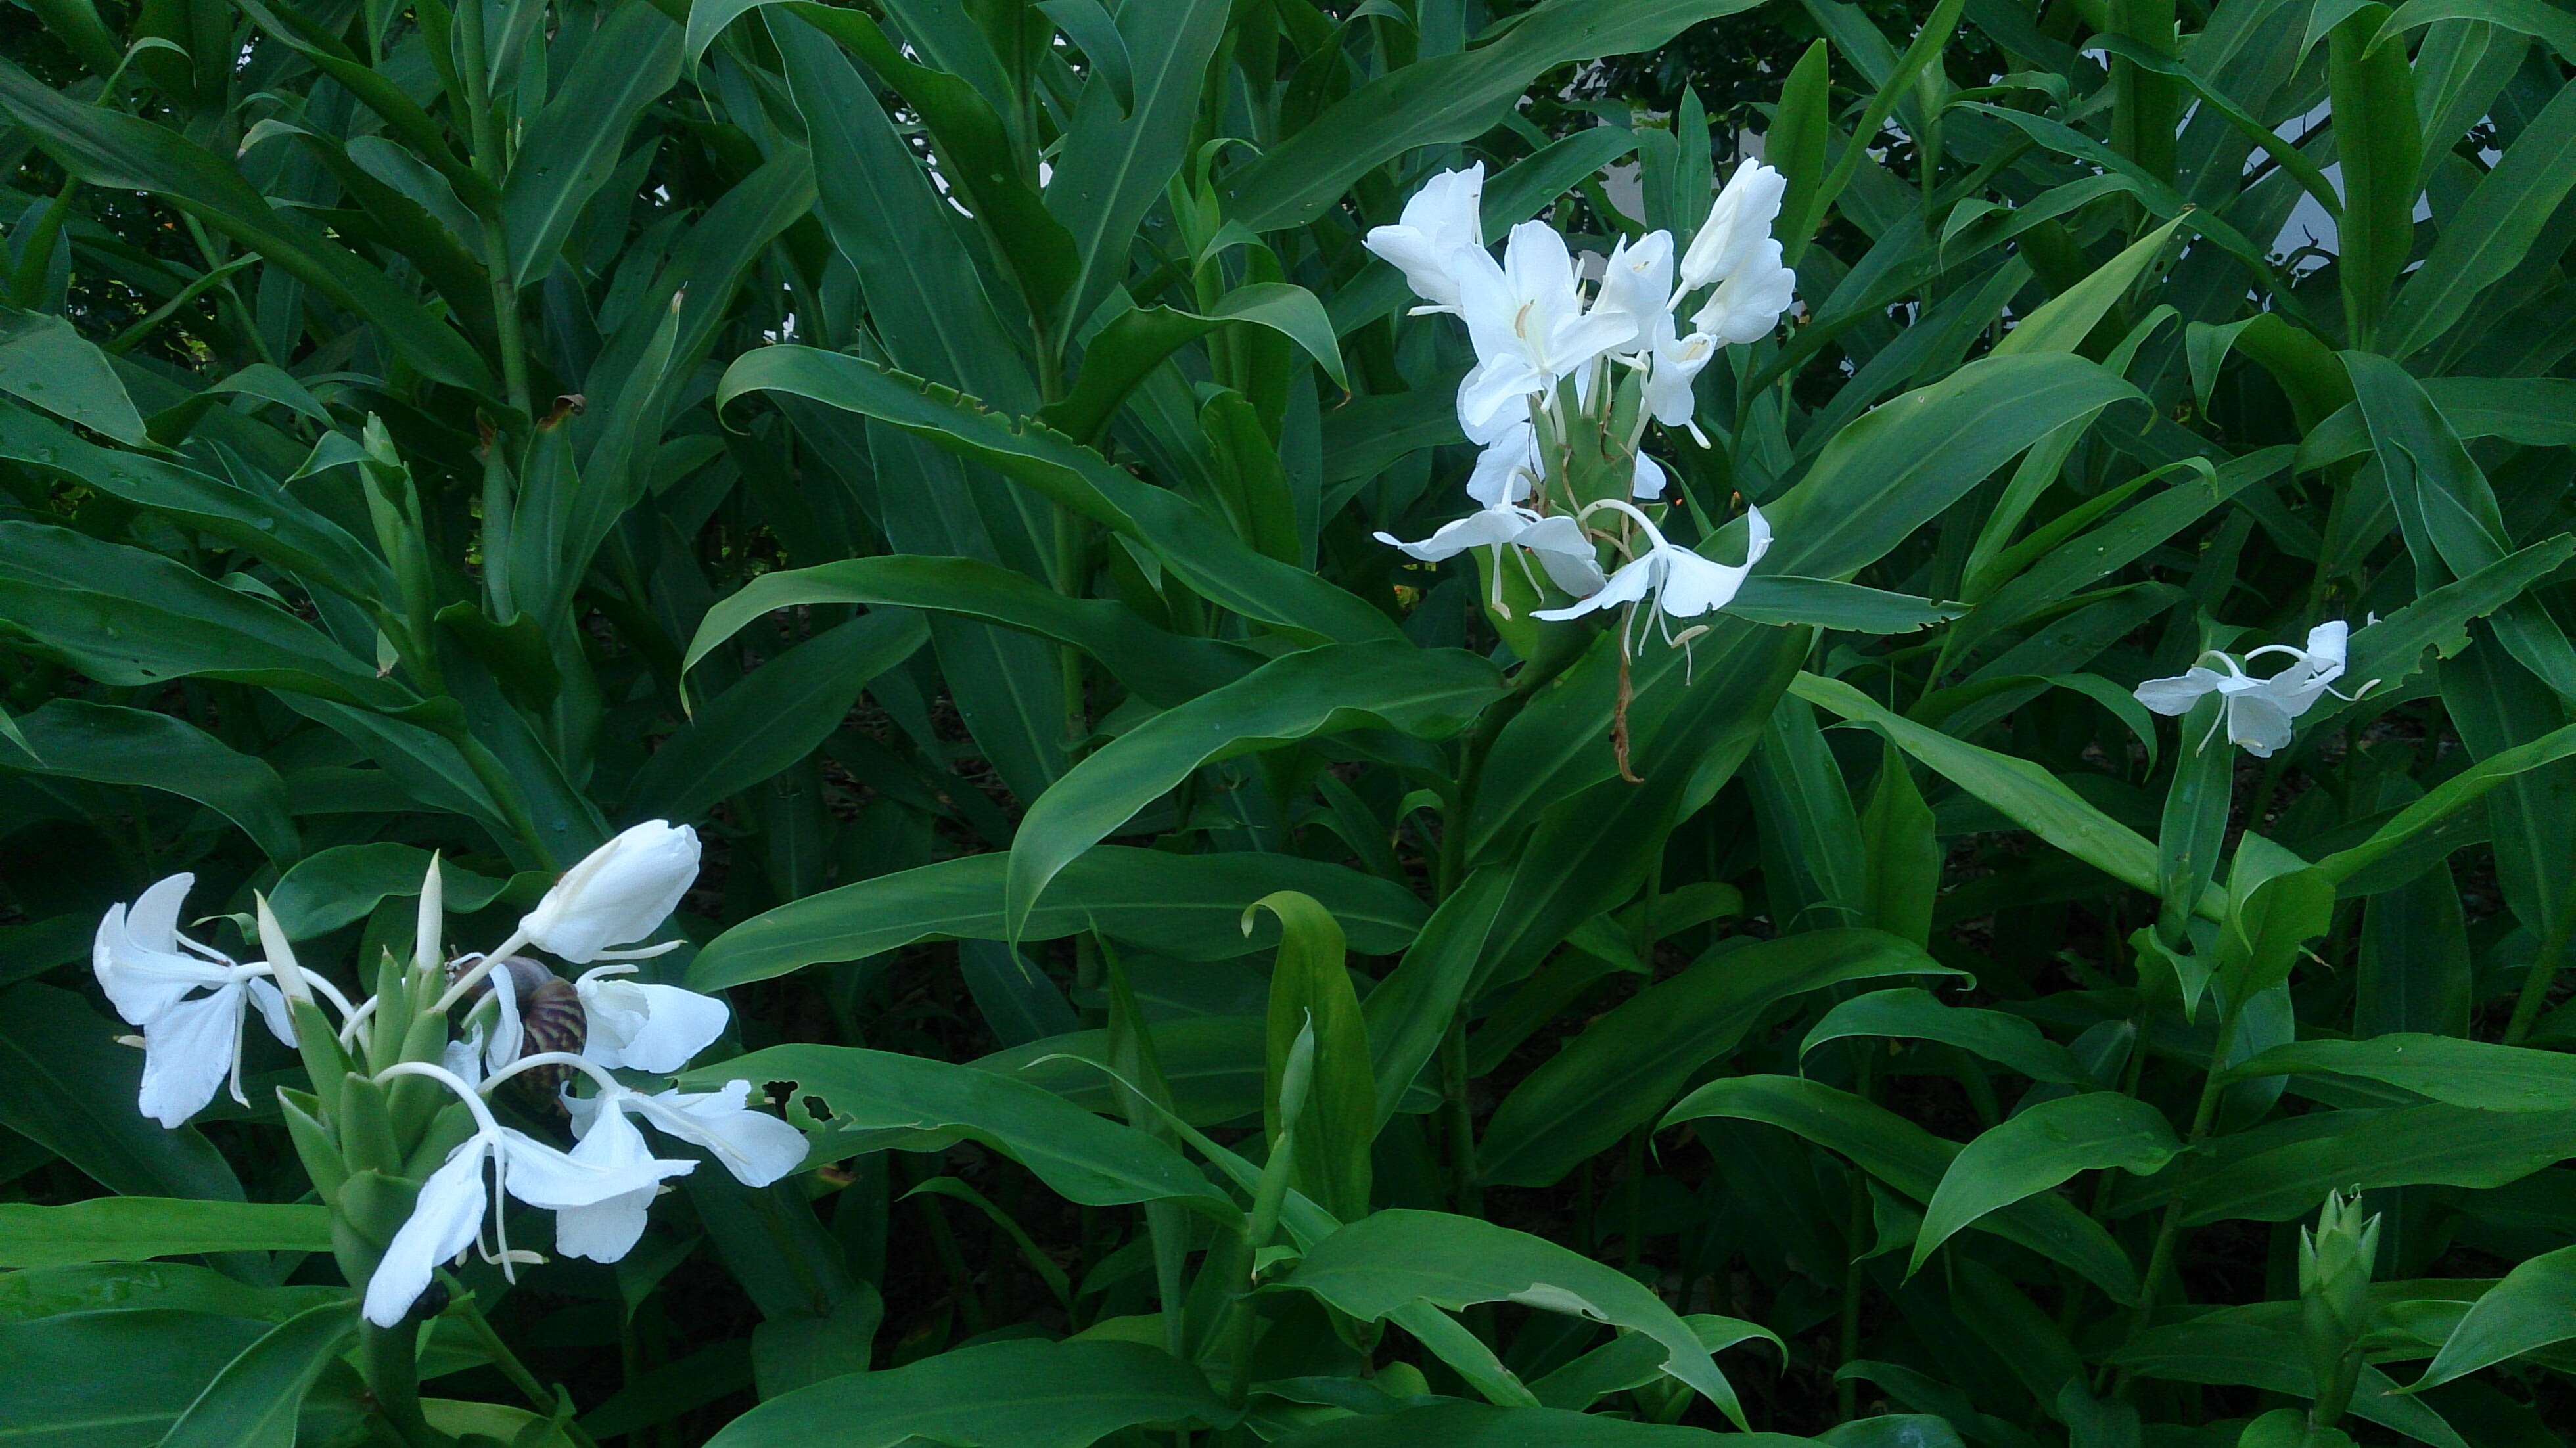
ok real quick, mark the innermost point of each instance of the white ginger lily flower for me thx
(1507, 466)
(188, 999)
(1528, 322)
(1563, 552)
(1443, 217)
(593, 1195)
(1637, 281)
(2260, 715)
(1747, 305)
(1684, 584)
(756, 1147)
(1739, 220)
(618, 894)
(643, 1027)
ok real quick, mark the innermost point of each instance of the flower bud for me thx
(2334, 1298)
(619, 894)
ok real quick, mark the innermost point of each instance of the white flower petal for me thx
(620, 893)
(646, 1027)
(756, 1147)
(188, 1051)
(443, 1222)
(2176, 695)
(2257, 723)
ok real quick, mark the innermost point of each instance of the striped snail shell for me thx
(550, 1019)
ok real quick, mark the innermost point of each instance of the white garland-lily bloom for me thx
(618, 894)
(1684, 584)
(2260, 714)
(1528, 322)
(637, 1026)
(595, 1196)
(756, 1147)
(188, 999)
(1444, 216)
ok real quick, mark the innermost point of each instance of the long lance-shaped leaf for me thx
(1194, 546)
(1388, 1260)
(78, 739)
(1084, 1158)
(2534, 1306)
(1626, 1065)
(2024, 792)
(2037, 1149)
(122, 153)
(1182, 907)
(1138, 339)
(1446, 98)
(1427, 693)
(1119, 153)
(1162, 668)
(1913, 1161)
(1025, 1393)
(138, 1229)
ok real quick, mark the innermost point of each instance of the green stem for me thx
(488, 164)
(1459, 1115)
(393, 1380)
(2544, 969)
(517, 1371)
(2169, 1229)
(1857, 1221)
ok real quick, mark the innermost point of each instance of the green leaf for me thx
(46, 364)
(127, 617)
(1194, 546)
(66, 1085)
(2063, 321)
(1382, 1263)
(1913, 1013)
(104, 743)
(1119, 152)
(1774, 598)
(1410, 1009)
(779, 713)
(178, 1286)
(1907, 460)
(1477, 1425)
(264, 521)
(1427, 693)
(2228, 1346)
(1310, 989)
(1084, 1158)
(134, 1229)
(1189, 907)
(1913, 1161)
(1162, 668)
(2037, 1149)
(2448, 511)
(118, 152)
(343, 885)
(2493, 230)
(1137, 340)
(974, 145)
(2024, 792)
(111, 1379)
(2439, 1068)
(1029, 1393)
(2440, 801)
(573, 145)
(1626, 1065)
(254, 1401)
(2534, 1306)
(2280, 1171)
(1453, 97)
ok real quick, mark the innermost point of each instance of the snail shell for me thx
(550, 1019)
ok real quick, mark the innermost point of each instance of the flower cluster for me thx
(190, 1003)
(1549, 354)
(2259, 714)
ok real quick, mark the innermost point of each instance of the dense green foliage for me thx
(1238, 983)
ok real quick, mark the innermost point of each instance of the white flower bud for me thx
(619, 894)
